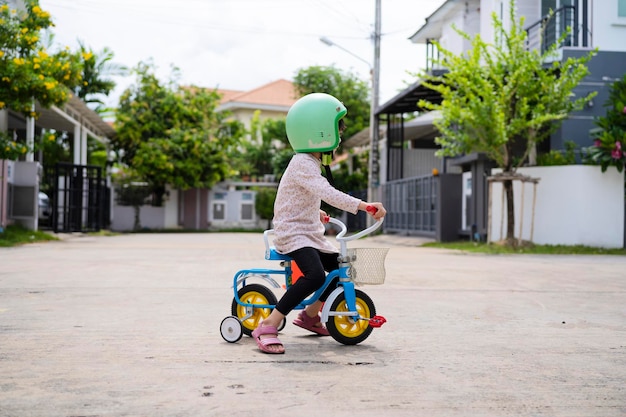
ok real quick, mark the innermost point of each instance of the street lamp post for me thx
(372, 191)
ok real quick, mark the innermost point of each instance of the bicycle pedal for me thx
(377, 321)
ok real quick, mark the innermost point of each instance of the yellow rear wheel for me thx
(253, 294)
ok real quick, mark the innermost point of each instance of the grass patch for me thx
(15, 235)
(493, 248)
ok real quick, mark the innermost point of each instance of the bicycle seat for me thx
(272, 255)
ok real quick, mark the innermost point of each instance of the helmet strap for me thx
(327, 158)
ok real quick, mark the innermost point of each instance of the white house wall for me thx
(575, 205)
(171, 209)
(608, 30)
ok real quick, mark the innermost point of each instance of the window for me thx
(219, 211)
(247, 196)
(219, 196)
(247, 211)
(621, 8)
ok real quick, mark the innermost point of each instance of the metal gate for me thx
(411, 205)
(79, 198)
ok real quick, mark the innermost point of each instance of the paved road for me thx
(129, 326)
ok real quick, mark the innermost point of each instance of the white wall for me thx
(608, 30)
(575, 205)
(171, 209)
(149, 216)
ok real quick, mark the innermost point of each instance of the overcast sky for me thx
(244, 44)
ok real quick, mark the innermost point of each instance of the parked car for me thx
(45, 210)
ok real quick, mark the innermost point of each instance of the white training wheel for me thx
(231, 329)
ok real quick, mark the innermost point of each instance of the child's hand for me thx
(324, 218)
(377, 210)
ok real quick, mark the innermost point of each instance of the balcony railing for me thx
(548, 31)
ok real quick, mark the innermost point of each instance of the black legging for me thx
(312, 263)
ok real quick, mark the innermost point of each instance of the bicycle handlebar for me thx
(344, 230)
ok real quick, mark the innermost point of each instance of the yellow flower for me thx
(6, 79)
(1, 104)
(50, 84)
(41, 77)
(18, 61)
(1, 54)
(36, 66)
(85, 83)
(43, 54)
(24, 30)
(4, 8)
(51, 137)
(87, 56)
(66, 77)
(36, 9)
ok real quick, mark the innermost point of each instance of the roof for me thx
(65, 117)
(406, 101)
(434, 23)
(278, 95)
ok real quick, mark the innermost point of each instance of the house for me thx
(78, 191)
(229, 204)
(454, 203)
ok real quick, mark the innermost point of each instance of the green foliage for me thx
(347, 87)
(15, 235)
(11, 149)
(172, 135)
(555, 157)
(498, 95)
(609, 140)
(97, 70)
(264, 203)
(354, 179)
(27, 70)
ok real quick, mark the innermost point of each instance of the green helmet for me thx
(312, 123)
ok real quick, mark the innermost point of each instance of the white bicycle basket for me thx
(369, 266)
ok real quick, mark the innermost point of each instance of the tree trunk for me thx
(510, 211)
(137, 225)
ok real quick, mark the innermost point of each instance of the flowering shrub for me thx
(609, 140)
(10, 149)
(27, 70)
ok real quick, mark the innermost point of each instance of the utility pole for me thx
(374, 165)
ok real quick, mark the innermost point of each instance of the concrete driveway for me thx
(129, 326)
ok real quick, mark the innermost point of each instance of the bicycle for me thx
(349, 313)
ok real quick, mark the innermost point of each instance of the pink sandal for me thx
(312, 324)
(264, 344)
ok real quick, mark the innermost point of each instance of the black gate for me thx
(79, 198)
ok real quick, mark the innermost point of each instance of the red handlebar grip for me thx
(371, 209)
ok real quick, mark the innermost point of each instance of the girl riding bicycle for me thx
(314, 125)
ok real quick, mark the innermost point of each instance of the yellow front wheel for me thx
(349, 330)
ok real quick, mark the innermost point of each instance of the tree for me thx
(172, 135)
(503, 97)
(97, 70)
(28, 72)
(264, 204)
(347, 87)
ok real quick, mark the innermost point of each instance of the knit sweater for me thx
(301, 190)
